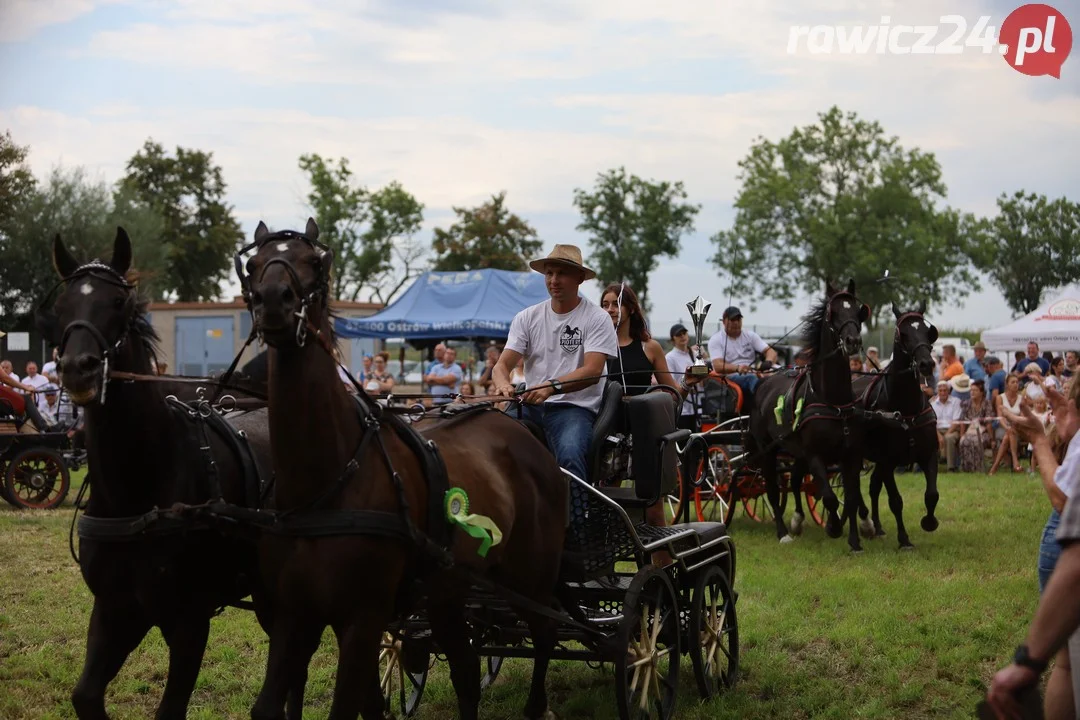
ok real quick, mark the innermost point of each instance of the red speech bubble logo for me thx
(1036, 39)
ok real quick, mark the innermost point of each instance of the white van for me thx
(963, 347)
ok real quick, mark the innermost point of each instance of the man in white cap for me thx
(565, 342)
(733, 351)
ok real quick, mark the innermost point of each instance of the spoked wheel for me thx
(813, 502)
(398, 683)
(37, 478)
(494, 665)
(755, 498)
(714, 496)
(647, 672)
(714, 633)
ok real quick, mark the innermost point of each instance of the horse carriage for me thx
(617, 607)
(35, 468)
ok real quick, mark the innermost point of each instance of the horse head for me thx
(844, 316)
(286, 283)
(916, 335)
(92, 318)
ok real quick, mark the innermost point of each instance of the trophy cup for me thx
(698, 310)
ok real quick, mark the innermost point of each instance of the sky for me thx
(461, 99)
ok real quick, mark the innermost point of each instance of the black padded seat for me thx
(707, 531)
(609, 421)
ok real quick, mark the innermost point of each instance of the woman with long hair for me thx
(1009, 400)
(641, 360)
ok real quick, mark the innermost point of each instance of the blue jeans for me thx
(1049, 550)
(568, 429)
(747, 382)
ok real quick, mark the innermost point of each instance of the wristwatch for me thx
(556, 386)
(1023, 658)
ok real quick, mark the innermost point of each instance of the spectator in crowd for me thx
(975, 428)
(1056, 378)
(517, 375)
(679, 359)
(50, 413)
(1032, 382)
(995, 378)
(1011, 401)
(873, 361)
(379, 381)
(1071, 357)
(961, 387)
(947, 409)
(37, 381)
(6, 370)
(491, 356)
(1058, 614)
(950, 364)
(855, 364)
(445, 378)
(1018, 357)
(974, 368)
(733, 351)
(368, 364)
(49, 369)
(1033, 358)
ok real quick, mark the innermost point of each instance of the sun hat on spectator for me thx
(961, 383)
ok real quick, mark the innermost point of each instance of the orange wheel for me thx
(714, 499)
(37, 479)
(755, 498)
(813, 500)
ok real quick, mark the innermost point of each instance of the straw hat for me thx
(569, 255)
(961, 383)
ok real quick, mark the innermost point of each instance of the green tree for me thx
(839, 199)
(632, 223)
(201, 234)
(369, 232)
(487, 236)
(16, 180)
(86, 215)
(1032, 245)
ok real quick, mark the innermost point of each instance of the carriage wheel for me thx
(714, 496)
(714, 633)
(494, 665)
(755, 498)
(397, 682)
(813, 502)
(37, 478)
(647, 673)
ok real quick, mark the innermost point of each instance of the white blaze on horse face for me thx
(915, 324)
(282, 247)
(86, 288)
(847, 305)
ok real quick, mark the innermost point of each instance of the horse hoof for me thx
(907, 548)
(833, 531)
(929, 524)
(866, 529)
(786, 539)
(796, 525)
(856, 551)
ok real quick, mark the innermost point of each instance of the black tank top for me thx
(636, 366)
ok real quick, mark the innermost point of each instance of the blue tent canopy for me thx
(442, 305)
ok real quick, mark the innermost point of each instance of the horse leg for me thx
(357, 691)
(772, 489)
(896, 504)
(115, 630)
(448, 627)
(187, 643)
(852, 474)
(798, 472)
(543, 634)
(264, 613)
(875, 495)
(834, 526)
(929, 464)
(291, 646)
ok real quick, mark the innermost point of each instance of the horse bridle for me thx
(929, 346)
(321, 291)
(105, 273)
(828, 318)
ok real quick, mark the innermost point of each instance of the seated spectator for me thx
(976, 429)
(856, 364)
(50, 413)
(961, 387)
(873, 362)
(1056, 377)
(37, 381)
(1071, 358)
(1009, 400)
(1041, 410)
(1018, 357)
(995, 378)
(975, 367)
(947, 409)
(49, 369)
(950, 364)
(1032, 382)
(6, 368)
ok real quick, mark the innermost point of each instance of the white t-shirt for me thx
(49, 369)
(554, 345)
(678, 361)
(1068, 474)
(736, 350)
(37, 381)
(947, 412)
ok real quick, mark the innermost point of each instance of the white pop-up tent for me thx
(1055, 326)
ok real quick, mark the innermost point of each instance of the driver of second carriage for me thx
(566, 342)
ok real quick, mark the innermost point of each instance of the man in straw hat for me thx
(565, 342)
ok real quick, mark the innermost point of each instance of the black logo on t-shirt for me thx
(571, 339)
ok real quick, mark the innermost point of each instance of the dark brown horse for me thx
(143, 568)
(910, 436)
(336, 457)
(818, 423)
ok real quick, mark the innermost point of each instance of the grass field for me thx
(824, 634)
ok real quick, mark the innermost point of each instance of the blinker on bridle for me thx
(321, 291)
(105, 273)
